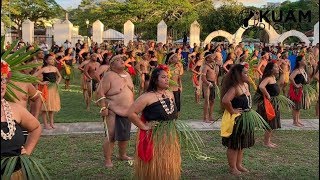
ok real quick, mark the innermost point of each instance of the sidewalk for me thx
(198, 125)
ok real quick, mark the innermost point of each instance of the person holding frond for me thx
(239, 120)
(177, 72)
(160, 134)
(299, 79)
(268, 99)
(49, 88)
(14, 117)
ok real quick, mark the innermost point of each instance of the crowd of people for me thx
(110, 73)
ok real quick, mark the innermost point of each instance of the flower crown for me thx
(273, 61)
(245, 64)
(5, 69)
(163, 67)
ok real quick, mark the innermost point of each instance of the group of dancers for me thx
(157, 73)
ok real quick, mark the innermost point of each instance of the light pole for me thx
(87, 22)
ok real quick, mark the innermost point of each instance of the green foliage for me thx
(17, 11)
(250, 120)
(30, 166)
(16, 62)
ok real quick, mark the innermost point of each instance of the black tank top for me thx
(155, 112)
(50, 76)
(240, 102)
(12, 147)
(299, 79)
(273, 89)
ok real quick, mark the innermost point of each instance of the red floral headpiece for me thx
(163, 67)
(273, 61)
(5, 69)
(245, 64)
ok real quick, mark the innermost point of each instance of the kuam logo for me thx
(278, 19)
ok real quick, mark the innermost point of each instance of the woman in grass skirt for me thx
(298, 79)
(49, 89)
(269, 88)
(159, 157)
(236, 100)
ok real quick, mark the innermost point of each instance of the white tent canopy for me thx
(180, 41)
(112, 34)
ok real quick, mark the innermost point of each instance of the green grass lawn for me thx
(80, 157)
(73, 106)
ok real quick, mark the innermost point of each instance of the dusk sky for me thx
(258, 3)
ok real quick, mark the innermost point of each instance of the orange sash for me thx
(271, 114)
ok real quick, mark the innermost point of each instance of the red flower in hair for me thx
(274, 61)
(163, 67)
(5, 69)
(246, 65)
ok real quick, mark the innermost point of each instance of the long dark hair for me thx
(267, 72)
(298, 59)
(46, 57)
(154, 79)
(167, 57)
(231, 79)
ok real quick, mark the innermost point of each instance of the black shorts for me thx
(94, 85)
(177, 99)
(122, 128)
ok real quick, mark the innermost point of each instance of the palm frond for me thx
(13, 45)
(31, 167)
(217, 91)
(2, 44)
(25, 66)
(310, 91)
(282, 101)
(16, 62)
(250, 120)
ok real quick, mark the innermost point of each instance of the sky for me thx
(258, 3)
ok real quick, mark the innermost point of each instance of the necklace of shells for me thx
(165, 106)
(10, 121)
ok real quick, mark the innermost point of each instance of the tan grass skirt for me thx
(17, 175)
(52, 103)
(166, 161)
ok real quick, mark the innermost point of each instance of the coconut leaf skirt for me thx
(275, 122)
(238, 139)
(22, 167)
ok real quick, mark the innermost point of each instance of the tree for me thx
(17, 11)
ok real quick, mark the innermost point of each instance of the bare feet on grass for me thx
(108, 164)
(235, 172)
(125, 158)
(242, 169)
